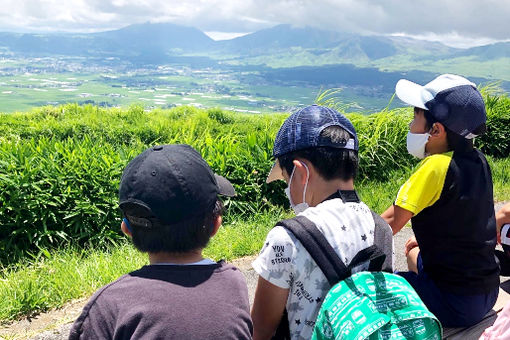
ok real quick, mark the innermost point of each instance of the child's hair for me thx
(188, 235)
(456, 142)
(330, 162)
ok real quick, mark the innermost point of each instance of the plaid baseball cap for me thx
(452, 100)
(302, 130)
(168, 184)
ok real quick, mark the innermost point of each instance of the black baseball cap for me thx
(167, 184)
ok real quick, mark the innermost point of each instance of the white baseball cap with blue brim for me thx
(452, 100)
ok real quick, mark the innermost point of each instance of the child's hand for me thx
(410, 244)
(502, 217)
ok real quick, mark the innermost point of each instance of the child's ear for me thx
(217, 223)
(438, 130)
(302, 171)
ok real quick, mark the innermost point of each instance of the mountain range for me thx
(282, 46)
(173, 39)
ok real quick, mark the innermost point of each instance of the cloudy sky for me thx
(455, 22)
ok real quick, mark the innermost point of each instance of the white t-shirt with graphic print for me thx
(283, 261)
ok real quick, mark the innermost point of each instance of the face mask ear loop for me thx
(306, 184)
(290, 182)
(292, 175)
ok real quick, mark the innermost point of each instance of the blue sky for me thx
(456, 22)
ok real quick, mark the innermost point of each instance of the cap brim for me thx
(225, 188)
(275, 173)
(410, 93)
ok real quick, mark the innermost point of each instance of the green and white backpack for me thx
(375, 305)
(366, 305)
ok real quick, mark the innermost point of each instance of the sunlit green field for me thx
(208, 89)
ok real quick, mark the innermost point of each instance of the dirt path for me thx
(55, 324)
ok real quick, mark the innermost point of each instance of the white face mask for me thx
(300, 207)
(416, 144)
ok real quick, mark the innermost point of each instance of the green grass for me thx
(243, 237)
(47, 282)
(379, 195)
(500, 169)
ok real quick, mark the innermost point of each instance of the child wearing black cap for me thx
(449, 201)
(316, 152)
(169, 198)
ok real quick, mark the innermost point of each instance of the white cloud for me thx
(471, 19)
(452, 39)
(224, 35)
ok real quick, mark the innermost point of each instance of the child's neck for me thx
(437, 145)
(323, 189)
(178, 258)
(437, 149)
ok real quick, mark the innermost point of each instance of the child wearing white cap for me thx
(449, 201)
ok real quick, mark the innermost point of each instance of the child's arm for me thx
(396, 217)
(503, 216)
(420, 191)
(267, 311)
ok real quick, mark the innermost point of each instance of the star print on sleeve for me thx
(364, 237)
(344, 228)
(264, 247)
(298, 322)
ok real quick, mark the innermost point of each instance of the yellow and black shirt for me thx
(451, 198)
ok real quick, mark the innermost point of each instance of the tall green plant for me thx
(332, 99)
(60, 166)
(52, 192)
(496, 141)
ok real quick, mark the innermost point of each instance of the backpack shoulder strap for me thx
(373, 254)
(319, 248)
(383, 239)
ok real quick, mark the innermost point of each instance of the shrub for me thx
(60, 166)
(52, 192)
(496, 141)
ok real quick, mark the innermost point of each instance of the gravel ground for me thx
(56, 324)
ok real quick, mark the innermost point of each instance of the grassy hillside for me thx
(60, 166)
